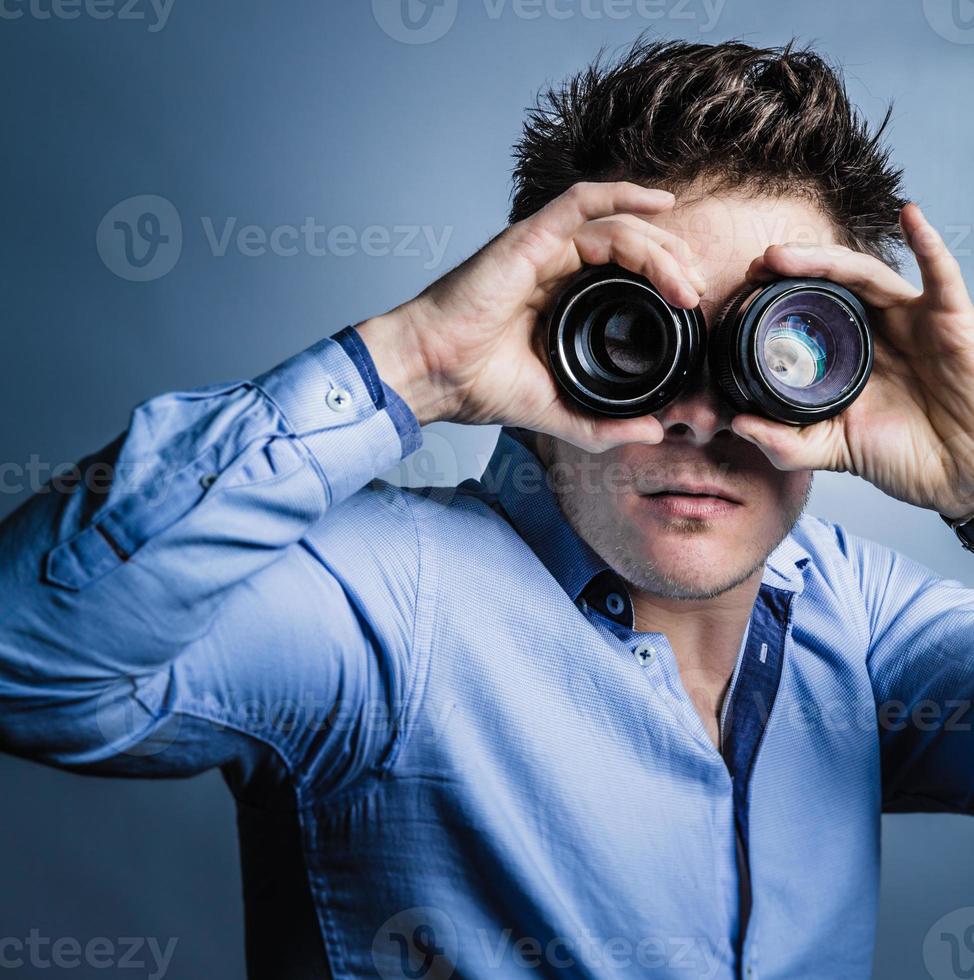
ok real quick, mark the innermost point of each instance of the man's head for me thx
(760, 146)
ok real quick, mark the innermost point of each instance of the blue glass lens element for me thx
(796, 352)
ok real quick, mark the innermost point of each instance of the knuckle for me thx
(532, 240)
(679, 248)
(664, 264)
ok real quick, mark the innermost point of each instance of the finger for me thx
(587, 200)
(688, 260)
(679, 247)
(872, 280)
(790, 447)
(943, 284)
(600, 242)
(596, 434)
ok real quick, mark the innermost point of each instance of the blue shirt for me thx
(451, 752)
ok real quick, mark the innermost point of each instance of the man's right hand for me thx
(470, 347)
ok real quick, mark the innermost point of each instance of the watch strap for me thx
(963, 527)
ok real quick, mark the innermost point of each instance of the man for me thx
(592, 725)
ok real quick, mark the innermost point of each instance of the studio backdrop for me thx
(192, 190)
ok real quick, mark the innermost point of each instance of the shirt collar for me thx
(785, 566)
(517, 478)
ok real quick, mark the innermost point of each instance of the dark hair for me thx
(768, 120)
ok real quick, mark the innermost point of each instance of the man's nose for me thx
(699, 415)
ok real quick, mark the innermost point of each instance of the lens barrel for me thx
(795, 350)
(616, 347)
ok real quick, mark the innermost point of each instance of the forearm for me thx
(208, 488)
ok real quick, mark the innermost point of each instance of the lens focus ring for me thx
(617, 348)
(796, 350)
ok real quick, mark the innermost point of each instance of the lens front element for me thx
(617, 347)
(797, 350)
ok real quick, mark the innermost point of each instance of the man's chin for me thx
(704, 571)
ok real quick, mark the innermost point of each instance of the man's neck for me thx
(705, 635)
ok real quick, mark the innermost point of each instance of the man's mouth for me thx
(711, 490)
(700, 501)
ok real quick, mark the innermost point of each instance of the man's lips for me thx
(690, 506)
(706, 490)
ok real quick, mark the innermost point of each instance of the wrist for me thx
(959, 507)
(392, 340)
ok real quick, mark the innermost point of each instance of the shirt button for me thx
(339, 400)
(645, 653)
(207, 480)
(614, 603)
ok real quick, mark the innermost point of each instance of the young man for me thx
(588, 726)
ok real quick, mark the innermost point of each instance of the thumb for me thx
(598, 434)
(789, 447)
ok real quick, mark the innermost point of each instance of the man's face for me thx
(670, 545)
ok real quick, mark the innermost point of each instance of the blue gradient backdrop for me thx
(269, 114)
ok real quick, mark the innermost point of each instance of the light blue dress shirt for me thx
(452, 753)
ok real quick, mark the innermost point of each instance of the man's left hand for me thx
(911, 431)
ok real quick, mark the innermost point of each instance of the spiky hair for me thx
(667, 113)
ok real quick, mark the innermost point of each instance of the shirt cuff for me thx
(324, 402)
(403, 417)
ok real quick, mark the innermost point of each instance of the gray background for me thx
(270, 113)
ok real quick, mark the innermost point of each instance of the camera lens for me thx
(625, 338)
(617, 347)
(798, 350)
(795, 351)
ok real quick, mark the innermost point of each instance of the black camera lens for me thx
(797, 350)
(617, 347)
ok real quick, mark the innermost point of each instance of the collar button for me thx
(614, 603)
